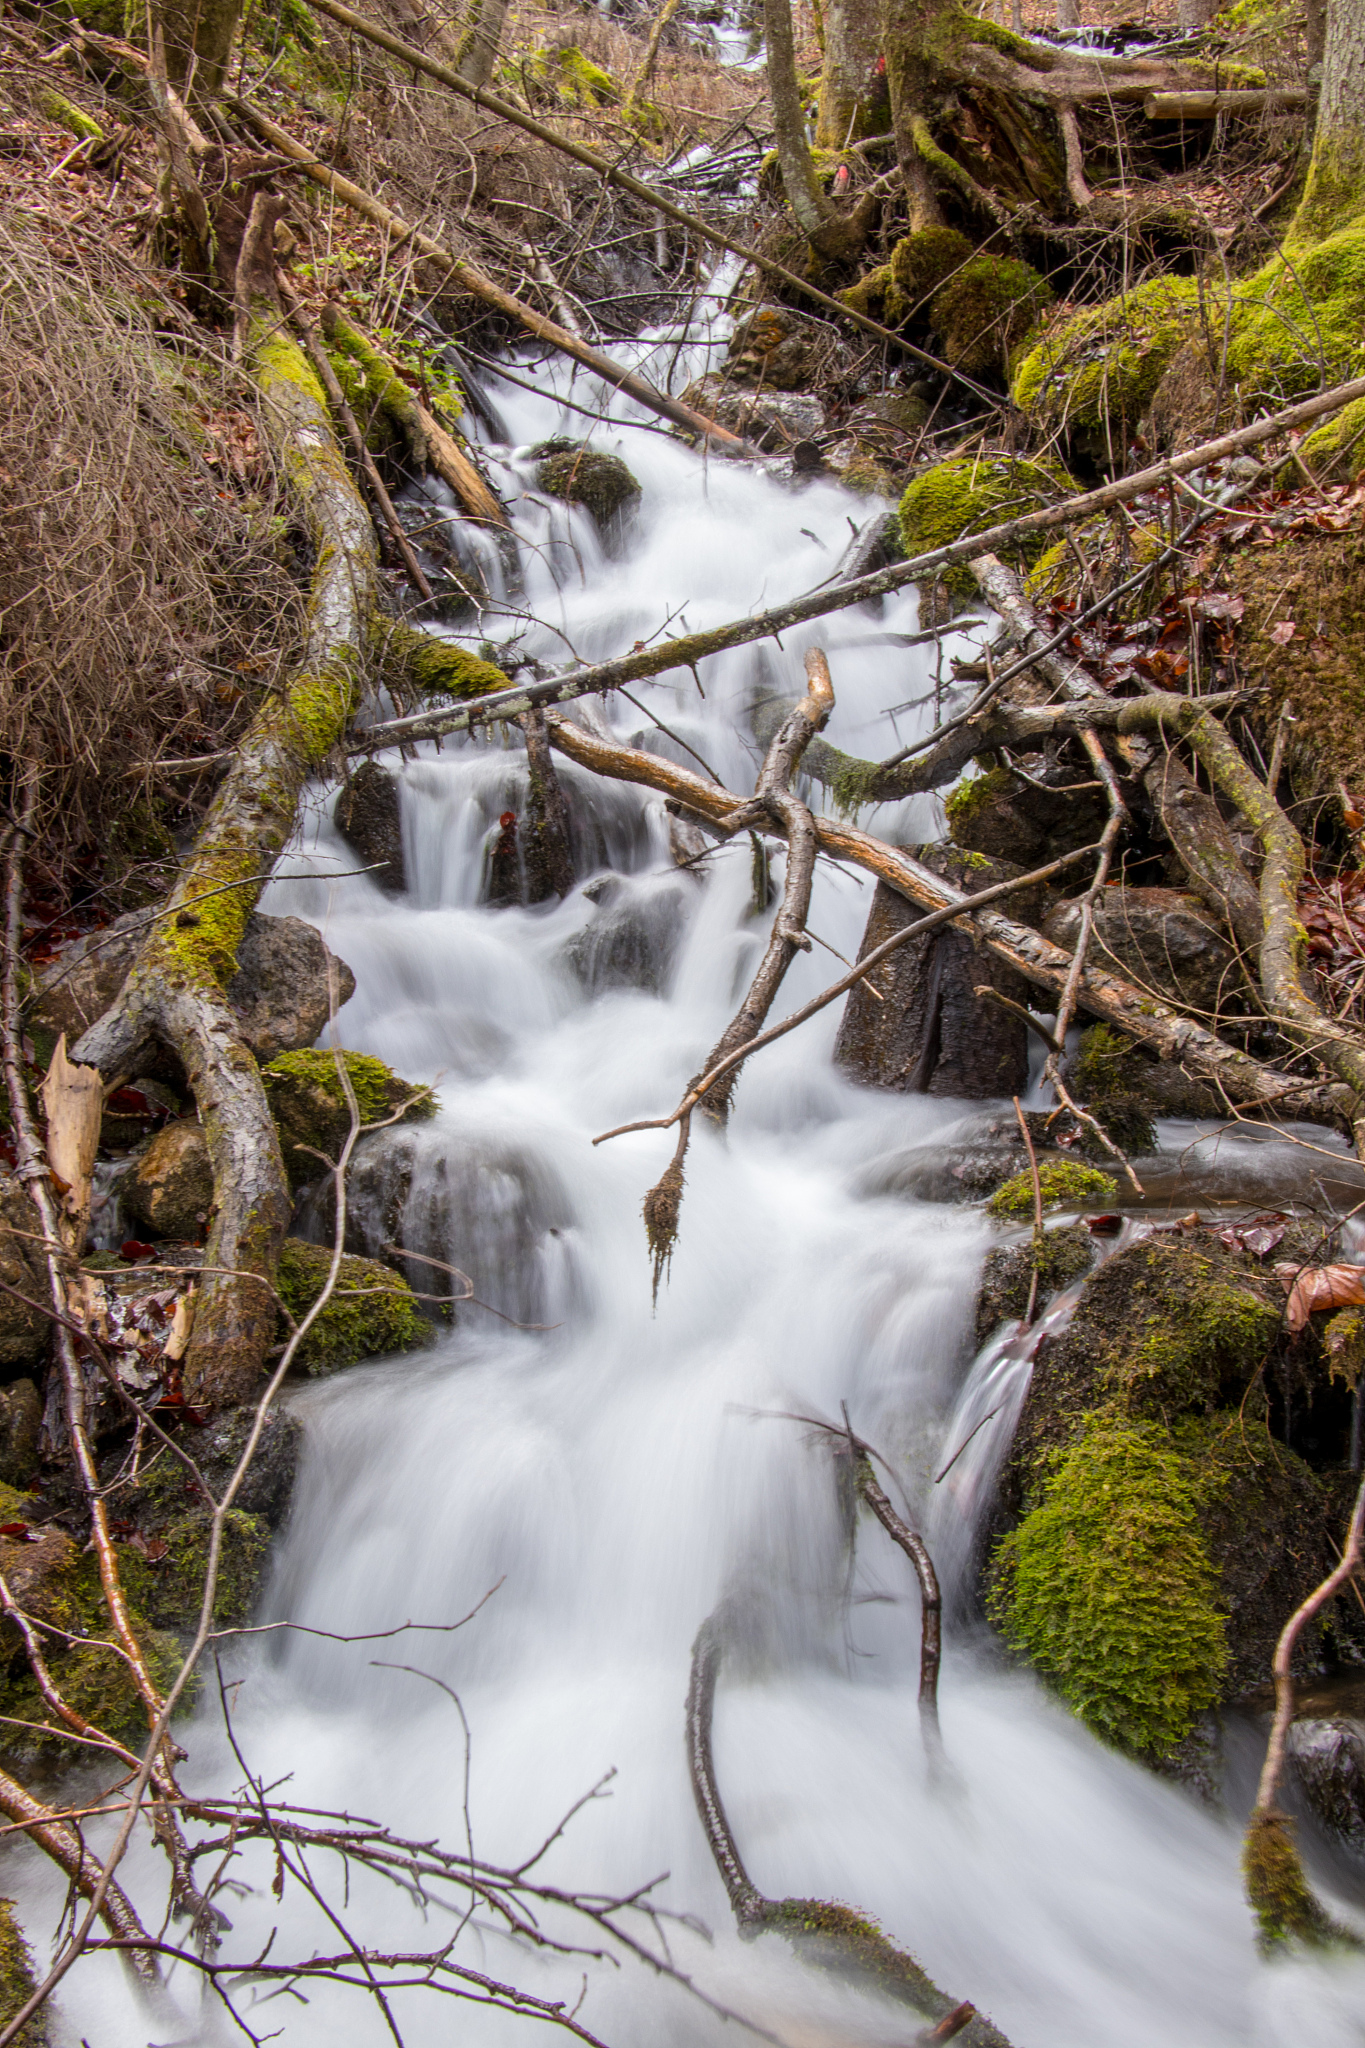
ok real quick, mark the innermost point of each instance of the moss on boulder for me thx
(1091, 374)
(1061, 1255)
(1298, 323)
(969, 493)
(602, 484)
(1335, 451)
(1065, 1184)
(923, 262)
(309, 1105)
(19, 1980)
(985, 310)
(372, 1309)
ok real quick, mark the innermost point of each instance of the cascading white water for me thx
(616, 1475)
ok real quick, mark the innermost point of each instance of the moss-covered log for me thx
(175, 993)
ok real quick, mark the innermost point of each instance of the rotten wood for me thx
(1209, 106)
(73, 1104)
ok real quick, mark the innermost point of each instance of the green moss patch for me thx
(1298, 323)
(309, 1104)
(371, 1311)
(1092, 373)
(1065, 1184)
(985, 310)
(602, 484)
(18, 1980)
(969, 493)
(1109, 1591)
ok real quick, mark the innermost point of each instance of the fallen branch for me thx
(1167, 1032)
(831, 1936)
(471, 279)
(688, 649)
(1210, 106)
(931, 1599)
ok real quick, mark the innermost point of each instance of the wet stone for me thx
(1329, 1762)
(632, 939)
(1006, 1277)
(368, 815)
(775, 421)
(169, 1188)
(1162, 939)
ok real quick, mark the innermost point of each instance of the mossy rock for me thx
(1107, 1587)
(923, 262)
(19, 1980)
(984, 311)
(602, 484)
(1091, 374)
(168, 1585)
(310, 1110)
(573, 78)
(372, 1309)
(1106, 1077)
(1098, 555)
(1062, 1256)
(1335, 451)
(967, 494)
(1297, 324)
(1065, 1184)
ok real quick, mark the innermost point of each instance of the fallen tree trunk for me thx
(1241, 1079)
(1207, 106)
(690, 648)
(473, 280)
(174, 994)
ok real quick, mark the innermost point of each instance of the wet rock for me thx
(1329, 1761)
(310, 1109)
(931, 1034)
(19, 1980)
(368, 815)
(169, 1188)
(279, 990)
(372, 1310)
(21, 1415)
(1007, 1276)
(779, 350)
(1006, 818)
(963, 1165)
(601, 484)
(24, 1330)
(1162, 939)
(775, 421)
(632, 939)
(268, 1486)
(35, 1572)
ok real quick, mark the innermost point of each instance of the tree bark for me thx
(829, 232)
(906, 28)
(174, 994)
(1335, 192)
(848, 73)
(198, 38)
(481, 41)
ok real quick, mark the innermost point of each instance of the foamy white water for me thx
(617, 1475)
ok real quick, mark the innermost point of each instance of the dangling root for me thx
(661, 1209)
(1279, 1892)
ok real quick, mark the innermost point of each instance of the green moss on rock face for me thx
(309, 1105)
(1092, 373)
(986, 309)
(18, 1980)
(1107, 1587)
(1106, 1079)
(1335, 451)
(1298, 323)
(602, 484)
(969, 493)
(922, 263)
(1064, 1184)
(1061, 1255)
(371, 1311)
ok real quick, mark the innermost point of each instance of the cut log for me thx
(1207, 106)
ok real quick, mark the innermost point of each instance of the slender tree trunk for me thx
(1335, 192)
(1194, 14)
(906, 28)
(1069, 14)
(481, 41)
(828, 231)
(198, 36)
(848, 75)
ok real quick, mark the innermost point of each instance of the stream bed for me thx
(616, 1474)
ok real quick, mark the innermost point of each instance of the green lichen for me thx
(19, 1981)
(371, 1311)
(986, 309)
(967, 494)
(200, 940)
(1064, 1184)
(975, 793)
(1107, 1080)
(572, 77)
(1109, 1591)
(431, 665)
(1093, 373)
(824, 162)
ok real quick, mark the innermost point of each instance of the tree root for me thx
(833, 1937)
(174, 994)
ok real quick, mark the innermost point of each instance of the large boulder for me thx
(1000, 815)
(169, 1187)
(1162, 939)
(279, 991)
(1329, 1763)
(368, 815)
(600, 483)
(310, 1109)
(371, 1310)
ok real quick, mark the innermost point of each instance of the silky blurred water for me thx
(616, 1475)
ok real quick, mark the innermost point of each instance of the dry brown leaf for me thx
(1314, 1287)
